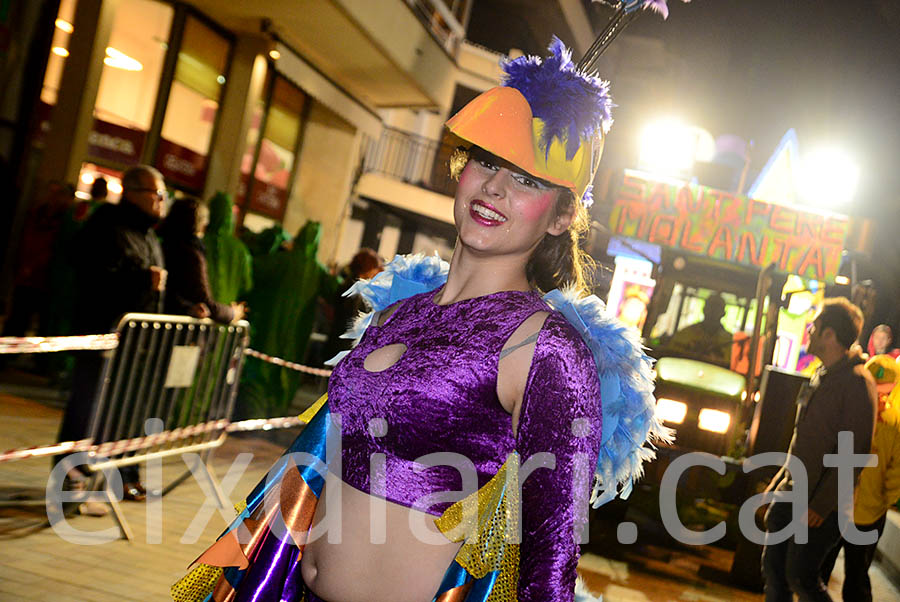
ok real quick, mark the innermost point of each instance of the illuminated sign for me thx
(720, 225)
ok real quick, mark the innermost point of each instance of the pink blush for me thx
(535, 209)
(465, 174)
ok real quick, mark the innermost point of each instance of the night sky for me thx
(829, 69)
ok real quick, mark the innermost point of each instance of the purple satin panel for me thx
(441, 396)
(559, 415)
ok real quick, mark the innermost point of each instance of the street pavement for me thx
(37, 563)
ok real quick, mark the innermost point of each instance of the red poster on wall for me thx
(267, 199)
(181, 165)
(111, 142)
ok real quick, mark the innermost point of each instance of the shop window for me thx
(268, 191)
(193, 104)
(129, 82)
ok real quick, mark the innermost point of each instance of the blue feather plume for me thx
(404, 276)
(573, 105)
(626, 393)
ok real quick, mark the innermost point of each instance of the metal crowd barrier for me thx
(168, 388)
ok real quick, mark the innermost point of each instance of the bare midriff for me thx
(385, 552)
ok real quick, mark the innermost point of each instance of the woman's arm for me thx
(560, 416)
(219, 312)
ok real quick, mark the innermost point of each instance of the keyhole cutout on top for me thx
(383, 358)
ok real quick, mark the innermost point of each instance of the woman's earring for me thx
(458, 160)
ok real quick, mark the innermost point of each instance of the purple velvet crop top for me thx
(441, 396)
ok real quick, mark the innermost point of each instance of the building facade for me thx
(326, 110)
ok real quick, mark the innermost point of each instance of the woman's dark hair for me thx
(182, 220)
(557, 261)
(844, 318)
(560, 260)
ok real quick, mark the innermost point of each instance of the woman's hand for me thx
(199, 311)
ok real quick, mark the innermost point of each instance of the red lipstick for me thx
(485, 214)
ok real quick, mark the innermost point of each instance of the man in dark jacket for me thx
(119, 269)
(841, 396)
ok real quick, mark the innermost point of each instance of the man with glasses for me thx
(119, 268)
(839, 397)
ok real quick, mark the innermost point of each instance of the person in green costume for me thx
(287, 285)
(266, 242)
(229, 264)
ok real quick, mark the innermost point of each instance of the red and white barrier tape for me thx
(95, 342)
(88, 342)
(265, 424)
(292, 365)
(37, 451)
(113, 448)
(100, 342)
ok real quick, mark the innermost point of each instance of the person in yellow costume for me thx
(879, 486)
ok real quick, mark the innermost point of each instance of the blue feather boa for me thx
(626, 381)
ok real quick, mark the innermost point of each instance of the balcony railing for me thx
(440, 22)
(410, 158)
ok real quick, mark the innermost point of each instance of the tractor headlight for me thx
(716, 421)
(670, 410)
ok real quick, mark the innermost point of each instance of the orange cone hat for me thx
(547, 118)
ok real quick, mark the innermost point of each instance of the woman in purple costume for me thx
(445, 386)
(475, 342)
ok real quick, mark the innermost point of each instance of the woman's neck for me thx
(472, 276)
